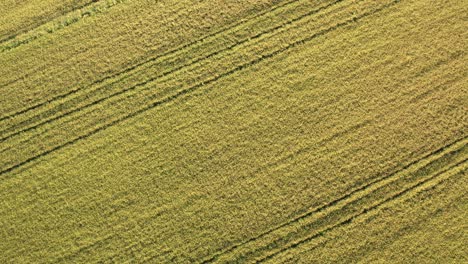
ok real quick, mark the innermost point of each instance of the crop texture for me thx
(228, 131)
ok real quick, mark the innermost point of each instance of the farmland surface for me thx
(227, 131)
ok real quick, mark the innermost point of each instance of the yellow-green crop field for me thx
(228, 131)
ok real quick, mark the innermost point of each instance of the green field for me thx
(227, 131)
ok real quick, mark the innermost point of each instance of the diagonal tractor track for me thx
(91, 119)
(436, 166)
(160, 66)
(146, 62)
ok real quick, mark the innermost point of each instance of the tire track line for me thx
(164, 74)
(335, 202)
(281, 26)
(6, 47)
(394, 237)
(336, 213)
(191, 89)
(167, 73)
(424, 71)
(371, 208)
(151, 59)
(413, 176)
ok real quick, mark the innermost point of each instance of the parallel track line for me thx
(195, 87)
(364, 211)
(164, 74)
(334, 202)
(151, 59)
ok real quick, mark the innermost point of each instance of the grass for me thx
(268, 131)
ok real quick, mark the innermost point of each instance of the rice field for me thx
(226, 131)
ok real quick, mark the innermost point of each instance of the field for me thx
(226, 131)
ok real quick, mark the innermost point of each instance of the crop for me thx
(234, 131)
